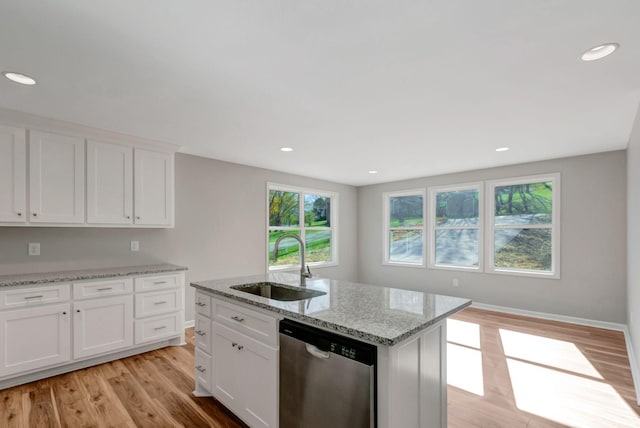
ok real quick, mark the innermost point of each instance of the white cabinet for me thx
(159, 314)
(153, 178)
(102, 325)
(109, 183)
(244, 376)
(34, 337)
(56, 178)
(13, 162)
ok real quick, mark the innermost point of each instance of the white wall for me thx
(593, 243)
(633, 241)
(220, 229)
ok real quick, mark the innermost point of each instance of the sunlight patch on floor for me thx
(549, 352)
(568, 399)
(464, 357)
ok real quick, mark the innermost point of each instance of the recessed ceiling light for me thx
(373, 171)
(19, 78)
(598, 52)
(286, 149)
(502, 149)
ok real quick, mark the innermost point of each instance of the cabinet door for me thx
(34, 338)
(13, 189)
(225, 377)
(153, 177)
(102, 325)
(259, 375)
(56, 178)
(109, 183)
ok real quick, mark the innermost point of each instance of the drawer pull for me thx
(160, 328)
(240, 348)
(33, 297)
(162, 302)
(200, 304)
(234, 344)
(105, 289)
(200, 333)
(159, 282)
(201, 369)
(237, 318)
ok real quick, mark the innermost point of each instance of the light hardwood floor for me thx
(504, 371)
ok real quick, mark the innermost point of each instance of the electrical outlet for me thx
(34, 248)
(135, 245)
(455, 282)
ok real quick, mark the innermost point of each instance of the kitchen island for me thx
(408, 328)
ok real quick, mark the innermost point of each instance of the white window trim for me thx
(334, 225)
(386, 196)
(555, 226)
(432, 226)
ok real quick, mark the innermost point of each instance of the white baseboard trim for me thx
(633, 362)
(552, 317)
(190, 323)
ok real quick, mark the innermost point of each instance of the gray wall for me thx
(220, 229)
(633, 240)
(593, 243)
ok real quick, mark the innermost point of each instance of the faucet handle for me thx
(308, 274)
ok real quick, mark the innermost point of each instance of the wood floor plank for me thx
(73, 407)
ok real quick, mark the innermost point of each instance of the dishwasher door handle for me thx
(317, 352)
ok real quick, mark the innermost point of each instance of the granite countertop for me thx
(85, 274)
(377, 314)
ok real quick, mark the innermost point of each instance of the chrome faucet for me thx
(304, 273)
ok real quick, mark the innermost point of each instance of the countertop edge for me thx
(84, 274)
(331, 326)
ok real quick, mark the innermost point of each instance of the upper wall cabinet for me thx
(56, 178)
(65, 175)
(109, 183)
(153, 188)
(13, 190)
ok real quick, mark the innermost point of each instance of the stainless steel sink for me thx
(275, 291)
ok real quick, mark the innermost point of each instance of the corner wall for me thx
(593, 243)
(633, 248)
(220, 229)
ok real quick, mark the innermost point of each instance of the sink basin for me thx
(275, 291)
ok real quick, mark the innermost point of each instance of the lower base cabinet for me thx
(48, 329)
(244, 376)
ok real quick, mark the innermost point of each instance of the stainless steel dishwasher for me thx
(326, 380)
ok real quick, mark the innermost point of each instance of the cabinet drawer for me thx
(244, 320)
(203, 333)
(203, 304)
(203, 369)
(152, 283)
(156, 328)
(158, 303)
(83, 290)
(20, 297)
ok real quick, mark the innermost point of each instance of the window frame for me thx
(554, 226)
(301, 228)
(433, 191)
(386, 228)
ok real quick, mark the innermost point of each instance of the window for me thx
(404, 228)
(307, 213)
(524, 226)
(455, 231)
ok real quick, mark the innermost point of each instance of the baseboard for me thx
(189, 324)
(633, 363)
(552, 317)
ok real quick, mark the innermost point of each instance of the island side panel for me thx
(412, 380)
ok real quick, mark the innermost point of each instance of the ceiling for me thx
(410, 88)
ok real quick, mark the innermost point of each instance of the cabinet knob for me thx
(35, 214)
(137, 217)
(234, 344)
(64, 313)
(19, 214)
(240, 348)
(78, 310)
(128, 217)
